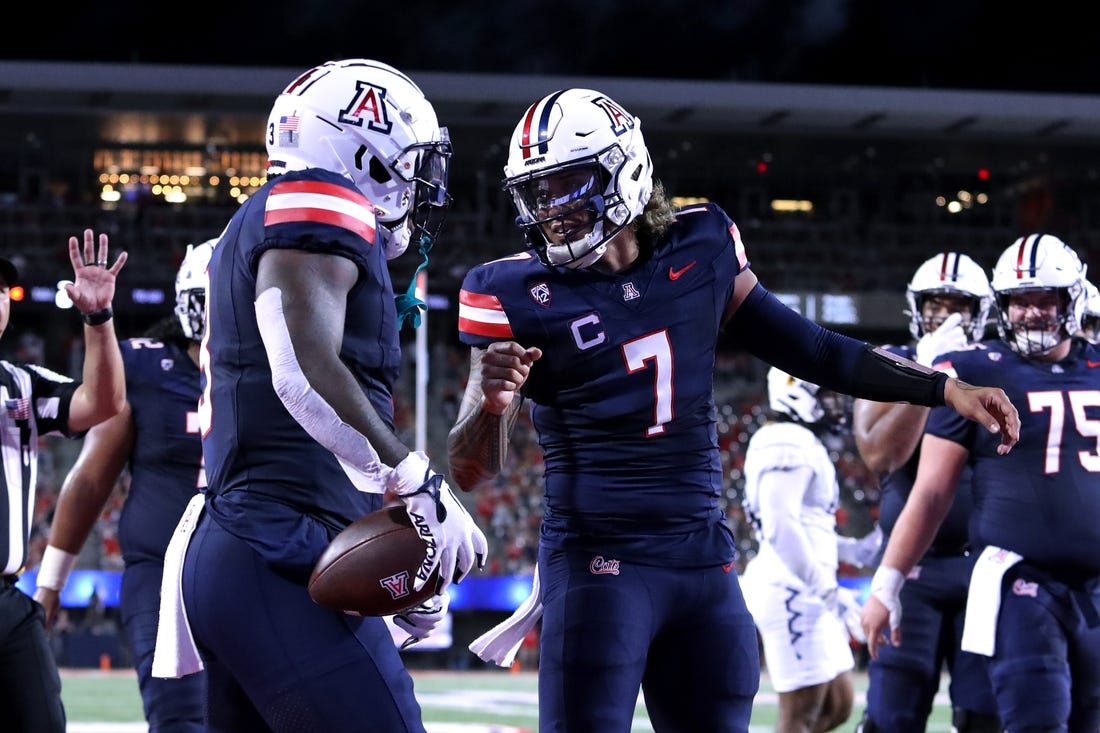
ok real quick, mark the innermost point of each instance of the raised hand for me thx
(94, 287)
(949, 336)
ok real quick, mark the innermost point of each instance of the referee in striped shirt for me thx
(35, 401)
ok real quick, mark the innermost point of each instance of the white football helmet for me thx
(803, 401)
(369, 122)
(603, 175)
(191, 284)
(950, 273)
(1090, 313)
(1039, 262)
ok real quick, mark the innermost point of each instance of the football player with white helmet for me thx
(949, 300)
(790, 586)
(1035, 588)
(608, 323)
(300, 356)
(156, 436)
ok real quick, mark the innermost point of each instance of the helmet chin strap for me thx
(410, 307)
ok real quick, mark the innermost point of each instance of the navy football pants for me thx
(903, 681)
(1046, 669)
(683, 636)
(278, 662)
(171, 706)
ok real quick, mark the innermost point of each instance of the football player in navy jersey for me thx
(608, 326)
(949, 301)
(157, 437)
(1035, 588)
(299, 359)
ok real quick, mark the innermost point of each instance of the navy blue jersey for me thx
(1042, 500)
(162, 387)
(953, 535)
(265, 472)
(622, 396)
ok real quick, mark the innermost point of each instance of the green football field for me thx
(453, 702)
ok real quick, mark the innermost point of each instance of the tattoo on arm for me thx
(478, 443)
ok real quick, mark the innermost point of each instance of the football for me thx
(369, 567)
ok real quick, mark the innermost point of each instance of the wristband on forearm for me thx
(884, 377)
(886, 582)
(410, 474)
(55, 568)
(99, 317)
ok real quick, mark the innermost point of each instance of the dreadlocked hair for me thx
(168, 329)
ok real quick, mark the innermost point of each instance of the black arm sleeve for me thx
(828, 358)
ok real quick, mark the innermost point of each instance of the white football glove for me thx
(950, 336)
(419, 621)
(454, 541)
(885, 586)
(859, 552)
(848, 608)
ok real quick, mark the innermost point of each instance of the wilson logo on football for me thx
(397, 585)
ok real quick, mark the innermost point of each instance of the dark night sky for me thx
(960, 44)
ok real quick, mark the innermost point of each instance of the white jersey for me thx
(791, 497)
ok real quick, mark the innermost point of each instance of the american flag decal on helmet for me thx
(535, 124)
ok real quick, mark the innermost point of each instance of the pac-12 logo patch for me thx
(540, 293)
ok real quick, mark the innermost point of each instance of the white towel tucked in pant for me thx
(500, 643)
(983, 602)
(175, 654)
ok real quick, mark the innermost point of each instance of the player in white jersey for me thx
(790, 586)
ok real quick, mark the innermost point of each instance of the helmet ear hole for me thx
(378, 172)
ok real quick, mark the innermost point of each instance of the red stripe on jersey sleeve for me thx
(320, 216)
(324, 189)
(482, 328)
(479, 300)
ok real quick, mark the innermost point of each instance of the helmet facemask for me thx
(409, 193)
(569, 213)
(191, 310)
(191, 283)
(563, 212)
(1035, 335)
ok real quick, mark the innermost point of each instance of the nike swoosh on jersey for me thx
(728, 567)
(1092, 364)
(674, 274)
